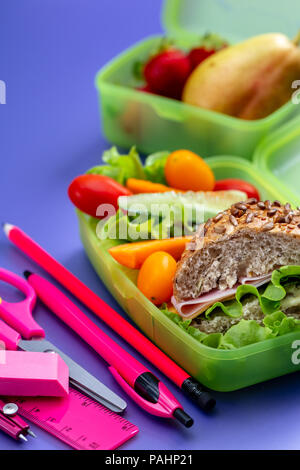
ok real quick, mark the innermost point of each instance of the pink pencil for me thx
(175, 373)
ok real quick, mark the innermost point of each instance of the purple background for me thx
(51, 51)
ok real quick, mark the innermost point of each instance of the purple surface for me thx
(50, 133)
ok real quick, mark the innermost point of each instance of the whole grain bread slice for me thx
(249, 239)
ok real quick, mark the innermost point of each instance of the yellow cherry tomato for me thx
(156, 275)
(187, 171)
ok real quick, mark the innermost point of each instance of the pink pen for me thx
(138, 382)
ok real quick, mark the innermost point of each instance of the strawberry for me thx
(207, 46)
(166, 72)
(145, 89)
(198, 55)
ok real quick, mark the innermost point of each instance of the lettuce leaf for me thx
(275, 291)
(234, 308)
(269, 301)
(280, 324)
(120, 167)
(245, 332)
(213, 340)
(155, 167)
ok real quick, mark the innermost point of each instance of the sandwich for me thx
(242, 266)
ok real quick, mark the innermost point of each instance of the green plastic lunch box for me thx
(153, 123)
(221, 370)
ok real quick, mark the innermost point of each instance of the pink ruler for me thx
(78, 421)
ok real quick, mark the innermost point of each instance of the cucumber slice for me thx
(148, 216)
(207, 203)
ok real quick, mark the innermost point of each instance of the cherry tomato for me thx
(187, 171)
(87, 192)
(156, 275)
(239, 185)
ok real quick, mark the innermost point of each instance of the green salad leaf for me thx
(234, 308)
(269, 301)
(214, 340)
(280, 324)
(155, 167)
(275, 291)
(245, 332)
(120, 167)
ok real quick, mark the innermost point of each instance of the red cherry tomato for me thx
(87, 192)
(239, 185)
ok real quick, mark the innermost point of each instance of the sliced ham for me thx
(192, 308)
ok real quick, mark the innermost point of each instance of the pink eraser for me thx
(33, 374)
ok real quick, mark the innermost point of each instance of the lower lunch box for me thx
(221, 370)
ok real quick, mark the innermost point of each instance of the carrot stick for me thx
(132, 255)
(137, 186)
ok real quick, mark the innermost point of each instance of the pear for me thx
(249, 80)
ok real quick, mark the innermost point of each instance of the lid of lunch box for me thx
(232, 19)
(278, 158)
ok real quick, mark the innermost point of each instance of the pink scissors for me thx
(18, 315)
(19, 322)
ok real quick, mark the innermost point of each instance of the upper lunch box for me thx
(152, 122)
